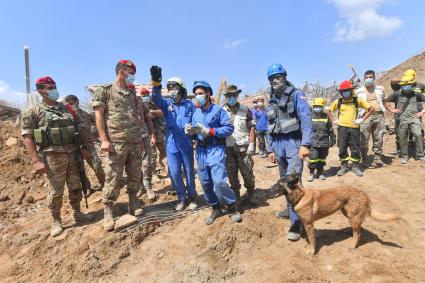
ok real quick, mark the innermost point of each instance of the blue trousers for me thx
(213, 176)
(177, 157)
(286, 149)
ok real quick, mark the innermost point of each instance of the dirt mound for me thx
(20, 189)
(416, 62)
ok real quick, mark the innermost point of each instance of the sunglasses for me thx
(276, 76)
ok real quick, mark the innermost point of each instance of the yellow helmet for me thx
(409, 77)
(319, 102)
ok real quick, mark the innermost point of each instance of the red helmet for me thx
(346, 85)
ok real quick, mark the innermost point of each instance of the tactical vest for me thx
(282, 114)
(56, 127)
(122, 117)
(240, 135)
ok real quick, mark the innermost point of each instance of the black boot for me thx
(215, 213)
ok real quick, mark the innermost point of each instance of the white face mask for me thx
(259, 104)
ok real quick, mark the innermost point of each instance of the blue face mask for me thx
(130, 79)
(147, 99)
(202, 99)
(346, 93)
(53, 94)
(369, 81)
(407, 88)
(232, 101)
(317, 109)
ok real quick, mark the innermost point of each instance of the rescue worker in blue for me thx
(178, 112)
(211, 125)
(290, 133)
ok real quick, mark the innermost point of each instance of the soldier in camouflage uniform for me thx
(240, 145)
(88, 125)
(159, 126)
(149, 141)
(52, 127)
(119, 125)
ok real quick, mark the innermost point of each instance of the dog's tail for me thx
(384, 217)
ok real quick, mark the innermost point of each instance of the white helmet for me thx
(176, 80)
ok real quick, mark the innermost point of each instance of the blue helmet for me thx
(202, 84)
(276, 69)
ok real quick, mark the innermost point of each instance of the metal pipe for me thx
(27, 73)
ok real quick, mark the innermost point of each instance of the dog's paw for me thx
(310, 251)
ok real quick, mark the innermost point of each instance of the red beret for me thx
(144, 91)
(129, 64)
(132, 87)
(45, 80)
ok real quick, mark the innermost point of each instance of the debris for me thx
(124, 222)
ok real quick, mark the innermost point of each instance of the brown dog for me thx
(312, 205)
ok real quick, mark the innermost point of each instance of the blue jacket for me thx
(262, 122)
(304, 116)
(214, 117)
(176, 117)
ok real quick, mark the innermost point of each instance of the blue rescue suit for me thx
(178, 145)
(210, 155)
(289, 127)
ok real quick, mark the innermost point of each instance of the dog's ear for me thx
(293, 180)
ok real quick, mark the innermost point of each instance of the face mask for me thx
(232, 101)
(202, 99)
(317, 109)
(369, 81)
(53, 94)
(407, 88)
(173, 94)
(259, 104)
(130, 79)
(278, 85)
(147, 99)
(346, 93)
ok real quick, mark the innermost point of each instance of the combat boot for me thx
(250, 195)
(283, 214)
(356, 170)
(108, 218)
(365, 162)
(343, 170)
(80, 217)
(235, 215)
(151, 194)
(215, 213)
(133, 206)
(377, 160)
(57, 228)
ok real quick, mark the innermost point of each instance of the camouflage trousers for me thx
(125, 156)
(375, 127)
(159, 147)
(95, 163)
(62, 169)
(238, 160)
(148, 164)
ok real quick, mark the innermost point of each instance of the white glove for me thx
(188, 130)
(201, 129)
(358, 121)
(336, 121)
(251, 149)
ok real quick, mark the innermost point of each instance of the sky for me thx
(78, 43)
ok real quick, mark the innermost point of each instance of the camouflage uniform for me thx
(236, 149)
(122, 122)
(62, 167)
(159, 127)
(93, 160)
(148, 163)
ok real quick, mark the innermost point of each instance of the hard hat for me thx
(176, 80)
(276, 69)
(409, 77)
(202, 84)
(319, 102)
(346, 85)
